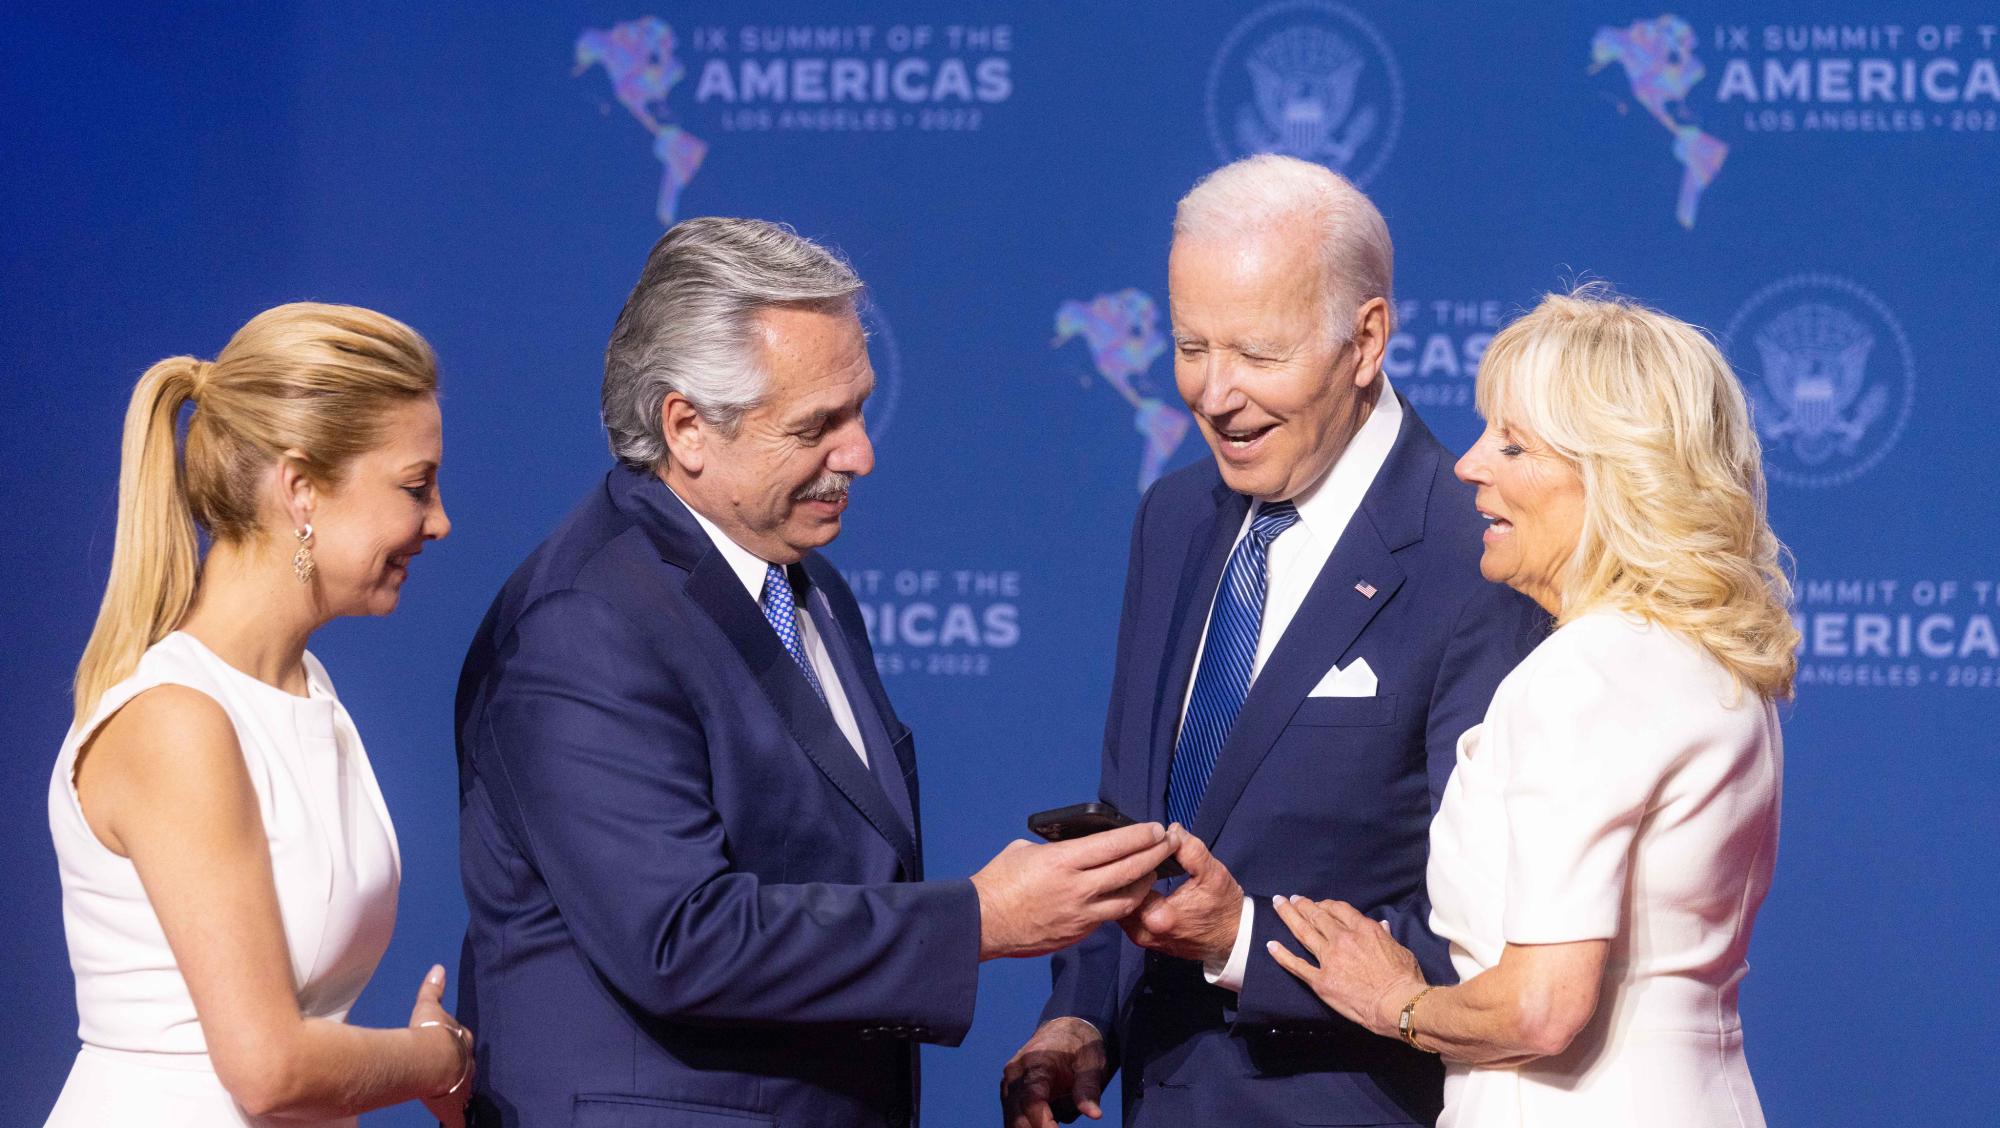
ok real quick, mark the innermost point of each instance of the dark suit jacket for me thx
(691, 903)
(1325, 797)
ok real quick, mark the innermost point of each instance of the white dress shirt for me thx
(1295, 561)
(751, 569)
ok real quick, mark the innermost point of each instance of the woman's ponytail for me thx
(154, 559)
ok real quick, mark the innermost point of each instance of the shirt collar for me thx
(1327, 505)
(748, 566)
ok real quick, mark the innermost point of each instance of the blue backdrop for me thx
(1814, 182)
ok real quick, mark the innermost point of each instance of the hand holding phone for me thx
(1079, 820)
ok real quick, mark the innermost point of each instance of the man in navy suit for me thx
(689, 824)
(1305, 636)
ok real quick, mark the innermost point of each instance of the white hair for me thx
(689, 326)
(1265, 192)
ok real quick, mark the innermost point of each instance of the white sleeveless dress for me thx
(336, 865)
(1622, 789)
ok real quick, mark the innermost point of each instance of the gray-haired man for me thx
(689, 818)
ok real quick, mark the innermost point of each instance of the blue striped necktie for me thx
(781, 610)
(1223, 680)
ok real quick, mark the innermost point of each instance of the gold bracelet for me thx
(1406, 1023)
(462, 1038)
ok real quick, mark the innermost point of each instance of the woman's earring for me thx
(302, 560)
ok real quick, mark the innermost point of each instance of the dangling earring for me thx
(302, 560)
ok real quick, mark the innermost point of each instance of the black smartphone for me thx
(1079, 820)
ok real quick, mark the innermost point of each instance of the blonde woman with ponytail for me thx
(229, 871)
(1610, 829)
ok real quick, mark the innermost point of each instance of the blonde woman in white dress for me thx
(229, 872)
(1609, 831)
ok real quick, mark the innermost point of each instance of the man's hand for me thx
(1059, 1073)
(1034, 900)
(1199, 920)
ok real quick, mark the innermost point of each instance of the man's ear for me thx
(297, 494)
(687, 434)
(1371, 340)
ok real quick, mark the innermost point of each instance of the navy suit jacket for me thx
(1320, 796)
(691, 903)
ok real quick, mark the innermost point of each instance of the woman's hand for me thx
(453, 1046)
(1361, 971)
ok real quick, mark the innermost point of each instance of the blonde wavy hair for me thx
(304, 379)
(1674, 529)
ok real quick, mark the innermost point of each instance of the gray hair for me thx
(689, 326)
(1262, 192)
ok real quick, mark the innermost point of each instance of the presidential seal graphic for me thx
(1309, 79)
(1829, 374)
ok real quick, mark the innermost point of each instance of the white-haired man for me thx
(688, 812)
(1305, 636)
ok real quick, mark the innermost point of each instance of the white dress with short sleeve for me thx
(333, 857)
(1622, 788)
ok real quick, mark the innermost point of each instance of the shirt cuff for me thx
(1229, 976)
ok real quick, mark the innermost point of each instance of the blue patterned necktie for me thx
(781, 610)
(1223, 680)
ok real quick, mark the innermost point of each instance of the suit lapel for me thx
(1390, 519)
(1331, 618)
(882, 764)
(1201, 574)
(715, 588)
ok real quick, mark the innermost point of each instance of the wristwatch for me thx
(1406, 1022)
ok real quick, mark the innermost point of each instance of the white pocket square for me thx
(1357, 680)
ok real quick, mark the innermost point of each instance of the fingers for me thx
(1341, 913)
(1026, 1096)
(1328, 926)
(1302, 926)
(1088, 1087)
(1112, 845)
(1303, 969)
(1134, 868)
(1156, 913)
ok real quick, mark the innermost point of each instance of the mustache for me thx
(830, 486)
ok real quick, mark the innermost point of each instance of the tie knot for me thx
(1273, 519)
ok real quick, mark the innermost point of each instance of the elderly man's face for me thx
(1275, 392)
(779, 484)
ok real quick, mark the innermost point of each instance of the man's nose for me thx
(1218, 393)
(854, 453)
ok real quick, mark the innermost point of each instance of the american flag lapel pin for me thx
(1366, 589)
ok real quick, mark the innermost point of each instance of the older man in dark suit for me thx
(1305, 636)
(690, 833)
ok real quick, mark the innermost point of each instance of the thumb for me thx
(1193, 855)
(432, 988)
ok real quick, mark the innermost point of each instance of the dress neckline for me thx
(315, 691)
